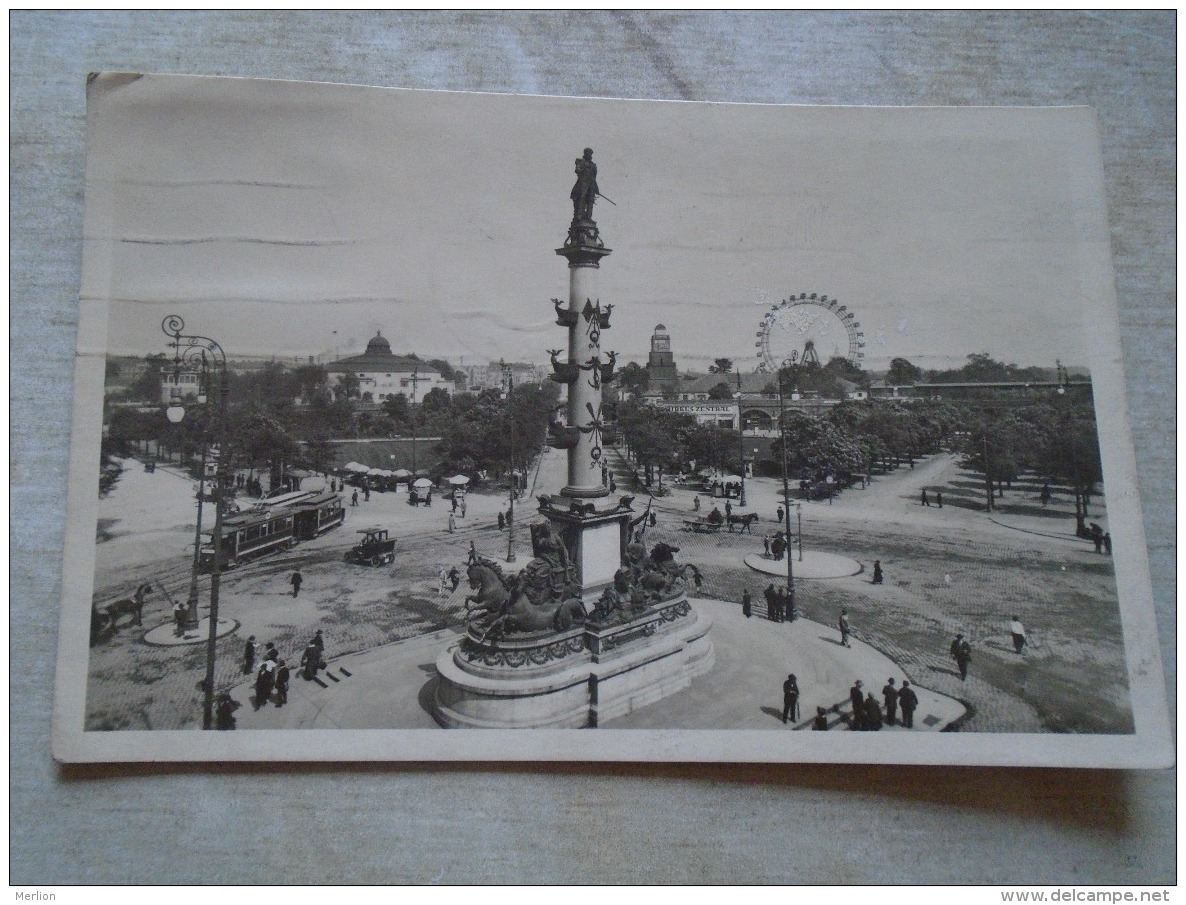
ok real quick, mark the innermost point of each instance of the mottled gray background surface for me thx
(574, 823)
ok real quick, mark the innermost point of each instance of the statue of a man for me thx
(584, 191)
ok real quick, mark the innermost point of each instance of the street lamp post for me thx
(190, 349)
(175, 413)
(510, 383)
(792, 365)
(740, 441)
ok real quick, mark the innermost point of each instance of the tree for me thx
(444, 367)
(902, 372)
(396, 408)
(147, 387)
(721, 391)
(721, 366)
(319, 453)
(633, 378)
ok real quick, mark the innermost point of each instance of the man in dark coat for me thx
(856, 696)
(747, 608)
(771, 596)
(249, 656)
(845, 629)
(263, 684)
(961, 652)
(872, 714)
(283, 674)
(310, 661)
(820, 723)
(878, 577)
(908, 701)
(224, 712)
(296, 580)
(890, 694)
(790, 698)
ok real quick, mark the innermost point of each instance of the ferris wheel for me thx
(808, 326)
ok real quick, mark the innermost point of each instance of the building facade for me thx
(381, 374)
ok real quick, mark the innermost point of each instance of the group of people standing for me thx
(867, 714)
(780, 606)
(774, 546)
(272, 676)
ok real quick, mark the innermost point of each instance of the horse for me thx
(492, 594)
(521, 615)
(745, 521)
(133, 606)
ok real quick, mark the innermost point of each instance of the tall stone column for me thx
(585, 319)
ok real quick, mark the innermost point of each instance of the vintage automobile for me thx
(374, 549)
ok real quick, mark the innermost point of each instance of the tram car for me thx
(275, 523)
(250, 535)
(317, 514)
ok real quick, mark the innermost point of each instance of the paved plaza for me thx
(955, 569)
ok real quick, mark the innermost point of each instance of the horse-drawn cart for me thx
(375, 549)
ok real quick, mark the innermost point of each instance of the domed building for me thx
(382, 374)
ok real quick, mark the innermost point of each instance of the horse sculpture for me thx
(541, 597)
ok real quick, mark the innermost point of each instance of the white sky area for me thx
(271, 214)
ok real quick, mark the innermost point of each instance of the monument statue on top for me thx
(592, 627)
(584, 191)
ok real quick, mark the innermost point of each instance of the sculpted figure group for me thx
(545, 595)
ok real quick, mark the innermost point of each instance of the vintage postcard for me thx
(427, 426)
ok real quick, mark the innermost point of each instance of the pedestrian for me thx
(283, 673)
(782, 604)
(271, 654)
(961, 652)
(224, 713)
(856, 697)
(778, 546)
(770, 594)
(463, 507)
(310, 661)
(249, 656)
(746, 604)
(452, 524)
(654, 519)
(263, 684)
(779, 515)
(296, 581)
(926, 502)
(844, 628)
(864, 482)
(510, 517)
(442, 582)
(319, 643)
(179, 611)
(939, 498)
(1097, 538)
(502, 521)
(613, 486)
(454, 578)
(820, 723)
(890, 694)
(696, 504)
(354, 498)
(454, 502)
(1045, 495)
(790, 698)
(766, 546)
(1108, 542)
(366, 494)
(1017, 630)
(878, 577)
(908, 701)
(872, 714)
(728, 509)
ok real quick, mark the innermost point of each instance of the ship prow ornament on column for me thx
(595, 626)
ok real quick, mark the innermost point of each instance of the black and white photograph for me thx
(432, 426)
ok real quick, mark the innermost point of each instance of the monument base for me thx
(573, 679)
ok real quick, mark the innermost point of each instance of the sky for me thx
(293, 219)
